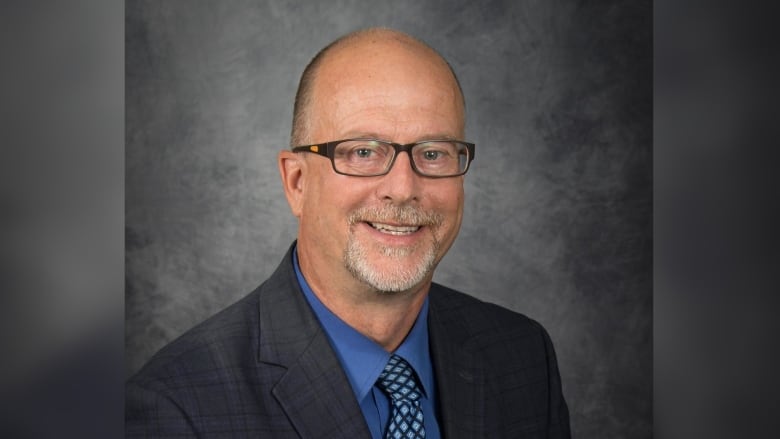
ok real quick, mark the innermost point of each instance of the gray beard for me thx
(394, 278)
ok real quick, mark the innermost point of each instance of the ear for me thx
(291, 168)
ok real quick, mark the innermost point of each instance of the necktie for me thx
(398, 381)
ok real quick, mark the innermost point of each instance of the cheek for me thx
(452, 198)
(449, 202)
(330, 204)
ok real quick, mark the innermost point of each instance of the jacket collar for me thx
(313, 390)
(315, 393)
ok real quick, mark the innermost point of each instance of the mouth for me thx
(393, 229)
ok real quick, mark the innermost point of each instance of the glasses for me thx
(372, 157)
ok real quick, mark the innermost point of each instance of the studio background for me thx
(557, 221)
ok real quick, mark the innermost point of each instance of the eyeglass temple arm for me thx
(321, 149)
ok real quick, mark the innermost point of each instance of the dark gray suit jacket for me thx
(263, 367)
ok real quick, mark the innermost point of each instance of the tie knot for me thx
(398, 380)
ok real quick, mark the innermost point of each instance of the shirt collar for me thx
(363, 359)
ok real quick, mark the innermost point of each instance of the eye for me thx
(363, 153)
(431, 154)
(436, 151)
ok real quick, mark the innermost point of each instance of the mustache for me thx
(407, 215)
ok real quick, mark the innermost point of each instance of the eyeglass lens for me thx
(372, 157)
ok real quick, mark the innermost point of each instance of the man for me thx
(349, 338)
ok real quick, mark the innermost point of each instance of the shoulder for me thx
(227, 341)
(454, 306)
(226, 338)
(513, 356)
(191, 377)
(474, 321)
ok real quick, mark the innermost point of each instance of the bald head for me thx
(367, 52)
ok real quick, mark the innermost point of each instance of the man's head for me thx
(384, 232)
(301, 110)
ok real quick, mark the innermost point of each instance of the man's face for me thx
(388, 232)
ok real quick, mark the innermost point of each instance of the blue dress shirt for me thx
(363, 360)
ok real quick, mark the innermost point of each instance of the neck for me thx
(386, 321)
(386, 318)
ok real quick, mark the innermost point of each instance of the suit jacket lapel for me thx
(317, 397)
(459, 373)
(314, 392)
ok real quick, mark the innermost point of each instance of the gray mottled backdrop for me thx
(558, 202)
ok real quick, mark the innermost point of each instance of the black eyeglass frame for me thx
(328, 149)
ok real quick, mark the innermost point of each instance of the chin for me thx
(391, 269)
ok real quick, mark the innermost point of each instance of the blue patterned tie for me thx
(399, 383)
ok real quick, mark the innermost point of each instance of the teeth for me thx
(395, 230)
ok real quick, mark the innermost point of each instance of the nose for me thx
(400, 185)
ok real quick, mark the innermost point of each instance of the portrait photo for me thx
(540, 229)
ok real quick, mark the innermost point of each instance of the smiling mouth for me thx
(394, 230)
